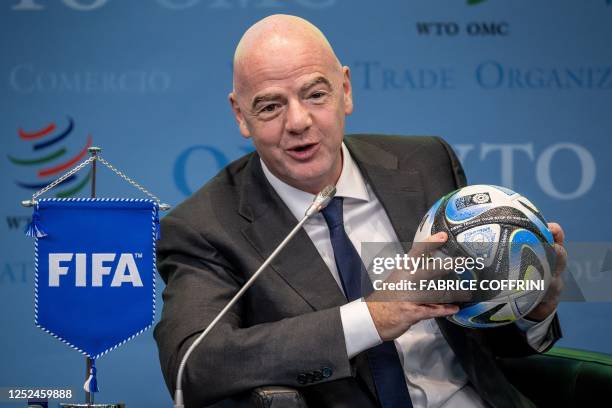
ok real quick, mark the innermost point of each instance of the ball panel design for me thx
(481, 241)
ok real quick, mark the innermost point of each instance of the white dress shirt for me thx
(433, 373)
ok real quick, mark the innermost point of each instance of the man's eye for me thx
(317, 95)
(269, 108)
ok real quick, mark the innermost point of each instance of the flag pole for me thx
(93, 151)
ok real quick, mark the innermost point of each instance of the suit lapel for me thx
(400, 191)
(299, 263)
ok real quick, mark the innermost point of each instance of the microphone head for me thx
(321, 200)
(325, 196)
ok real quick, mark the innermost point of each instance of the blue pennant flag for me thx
(95, 271)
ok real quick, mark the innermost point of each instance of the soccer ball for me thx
(509, 235)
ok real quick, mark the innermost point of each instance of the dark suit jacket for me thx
(286, 330)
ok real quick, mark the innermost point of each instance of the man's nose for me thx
(298, 118)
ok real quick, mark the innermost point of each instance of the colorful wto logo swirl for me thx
(49, 159)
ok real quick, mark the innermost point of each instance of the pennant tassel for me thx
(33, 229)
(91, 385)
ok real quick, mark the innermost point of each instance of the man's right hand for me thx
(393, 317)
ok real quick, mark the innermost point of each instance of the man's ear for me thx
(347, 90)
(244, 130)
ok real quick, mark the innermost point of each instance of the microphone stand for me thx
(320, 202)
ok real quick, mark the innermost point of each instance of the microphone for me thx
(320, 201)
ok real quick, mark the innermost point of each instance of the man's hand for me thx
(551, 298)
(392, 316)
(392, 319)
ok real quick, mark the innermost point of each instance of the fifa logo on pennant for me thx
(61, 265)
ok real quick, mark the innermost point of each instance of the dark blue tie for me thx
(383, 359)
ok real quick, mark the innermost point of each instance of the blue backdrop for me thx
(521, 89)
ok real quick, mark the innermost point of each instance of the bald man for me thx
(307, 322)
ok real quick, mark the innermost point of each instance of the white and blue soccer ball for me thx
(505, 230)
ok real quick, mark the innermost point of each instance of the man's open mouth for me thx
(303, 152)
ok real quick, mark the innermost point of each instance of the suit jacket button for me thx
(317, 375)
(301, 378)
(326, 372)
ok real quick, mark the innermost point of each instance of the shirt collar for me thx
(350, 185)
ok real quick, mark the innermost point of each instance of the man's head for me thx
(291, 96)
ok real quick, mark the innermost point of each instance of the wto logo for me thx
(49, 160)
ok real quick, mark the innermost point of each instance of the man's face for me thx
(293, 104)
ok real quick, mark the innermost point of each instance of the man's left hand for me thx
(551, 299)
